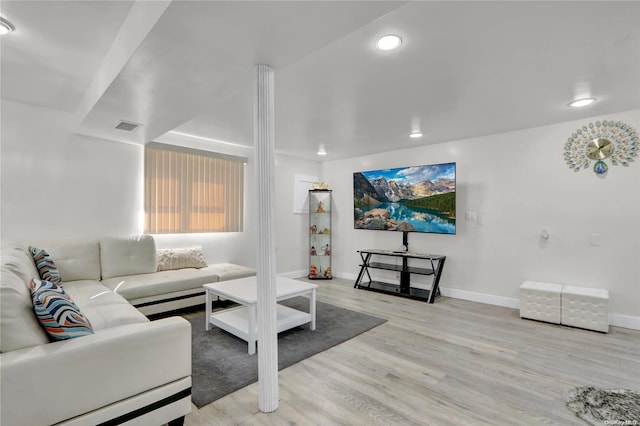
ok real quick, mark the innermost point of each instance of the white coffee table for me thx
(241, 321)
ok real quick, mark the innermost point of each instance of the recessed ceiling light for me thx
(415, 135)
(5, 26)
(581, 102)
(389, 42)
(321, 150)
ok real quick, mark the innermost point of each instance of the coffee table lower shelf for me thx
(236, 320)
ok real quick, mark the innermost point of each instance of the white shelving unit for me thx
(320, 234)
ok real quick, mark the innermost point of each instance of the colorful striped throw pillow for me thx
(46, 268)
(58, 314)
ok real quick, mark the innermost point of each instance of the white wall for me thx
(518, 184)
(56, 184)
(59, 185)
(292, 230)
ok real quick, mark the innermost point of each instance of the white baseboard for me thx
(346, 276)
(616, 320)
(489, 299)
(457, 294)
(625, 321)
(294, 274)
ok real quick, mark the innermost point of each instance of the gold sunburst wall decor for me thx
(613, 141)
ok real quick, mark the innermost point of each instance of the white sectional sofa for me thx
(130, 369)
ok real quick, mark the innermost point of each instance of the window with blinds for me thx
(188, 190)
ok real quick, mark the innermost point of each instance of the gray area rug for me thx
(605, 407)
(221, 365)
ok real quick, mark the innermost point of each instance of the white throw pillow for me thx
(168, 259)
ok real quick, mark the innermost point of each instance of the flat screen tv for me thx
(406, 199)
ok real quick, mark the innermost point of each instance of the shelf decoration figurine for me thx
(616, 142)
(313, 271)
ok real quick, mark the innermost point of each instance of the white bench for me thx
(540, 301)
(567, 305)
(585, 308)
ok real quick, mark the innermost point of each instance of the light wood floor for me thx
(450, 363)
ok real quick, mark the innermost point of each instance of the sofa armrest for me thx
(53, 382)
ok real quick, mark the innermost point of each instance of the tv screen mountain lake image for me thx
(413, 199)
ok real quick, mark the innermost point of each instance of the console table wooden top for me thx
(402, 254)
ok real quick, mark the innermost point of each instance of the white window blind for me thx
(188, 190)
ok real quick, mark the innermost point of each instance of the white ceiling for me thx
(464, 69)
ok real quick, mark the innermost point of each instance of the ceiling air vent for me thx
(125, 125)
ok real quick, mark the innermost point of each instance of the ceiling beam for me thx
(135, 28)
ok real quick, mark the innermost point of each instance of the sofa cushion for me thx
(111, 316)
(135, 287)
(88, 293)
(75, 259)
(103, 307)
(58, 315)
(231, 271)
(168, 259)
(145, 285)
(19, 327)
(127, 256)
(47, 269)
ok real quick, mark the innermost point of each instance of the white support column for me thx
(263, 113)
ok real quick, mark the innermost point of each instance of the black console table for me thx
(435, 263)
